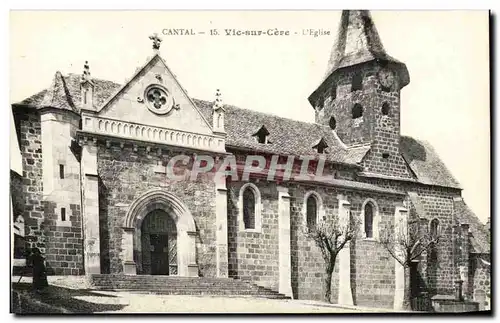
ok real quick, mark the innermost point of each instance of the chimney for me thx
(87, 88)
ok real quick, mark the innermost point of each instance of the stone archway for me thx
(152, 200)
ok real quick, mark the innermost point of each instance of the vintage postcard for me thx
(250, 162)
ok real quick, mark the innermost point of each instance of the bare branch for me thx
(408, 242)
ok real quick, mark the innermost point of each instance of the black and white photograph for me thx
(251, 162)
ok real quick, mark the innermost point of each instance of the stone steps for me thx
(170, 285)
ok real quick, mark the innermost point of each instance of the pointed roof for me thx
(57, 95)
(358, 42)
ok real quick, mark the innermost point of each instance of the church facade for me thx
(102, 188)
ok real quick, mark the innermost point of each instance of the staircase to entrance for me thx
(171, 285)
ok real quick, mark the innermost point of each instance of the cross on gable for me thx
(156, 41)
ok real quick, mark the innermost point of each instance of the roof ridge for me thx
(93, 78)
(267, 114)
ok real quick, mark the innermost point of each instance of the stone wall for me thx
(62, 223)
(125, 174)
(371, 97)
(64, 247)
(308, 266)
(253, 254)
(372, 268)
(59, 241)
(480, 278)
(436, 203)
(27, 191)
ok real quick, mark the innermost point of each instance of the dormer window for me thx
(262, 135)
(321, 146)
(357, 82)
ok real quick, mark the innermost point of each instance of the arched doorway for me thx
(159, 213)
(158, 244)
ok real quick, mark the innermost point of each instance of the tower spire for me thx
(358, 42)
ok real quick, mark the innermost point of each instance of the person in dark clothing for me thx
(39, 270)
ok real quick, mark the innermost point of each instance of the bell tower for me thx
(359, 97)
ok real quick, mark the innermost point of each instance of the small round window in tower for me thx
(357, 111)
(158, 99)
(385, 109)
(332, 123)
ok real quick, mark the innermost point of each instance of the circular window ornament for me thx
(158, 99)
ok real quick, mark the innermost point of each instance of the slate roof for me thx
(64, 93)
(425, 163)
(480, 239)
(287, 136)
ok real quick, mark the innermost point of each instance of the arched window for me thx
(357, 82)
(249, 209)
(249, 206)
(357, 111)
(368, 220)
(385, 108)
(434, 227)
(219, 121)
(312, 212)
(313, 209)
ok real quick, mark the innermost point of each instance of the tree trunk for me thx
(407, 290)
(327, 283)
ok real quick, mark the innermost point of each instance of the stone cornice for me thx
(119, 130)
(95, 139)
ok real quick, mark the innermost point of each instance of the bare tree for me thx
(331, 235)
(407, 243)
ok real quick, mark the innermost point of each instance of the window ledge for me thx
(251, 230)
(61, 223)
(370, 239)
(18, 262)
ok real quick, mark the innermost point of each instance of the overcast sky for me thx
(446, 52)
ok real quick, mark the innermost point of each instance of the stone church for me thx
(93, 193)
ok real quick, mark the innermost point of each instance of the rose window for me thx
(157, 97)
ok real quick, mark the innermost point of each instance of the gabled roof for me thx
(286, 136)
(480, 239)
